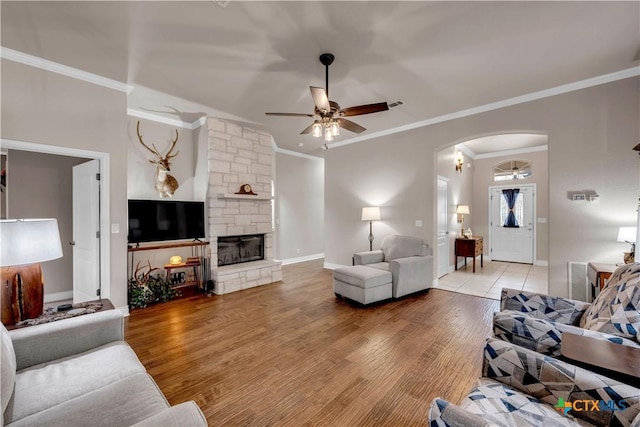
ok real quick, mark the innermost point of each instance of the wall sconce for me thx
(628, 235)
(371, 214)
(462, 210)
(459, 161)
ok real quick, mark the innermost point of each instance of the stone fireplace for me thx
(237, 156)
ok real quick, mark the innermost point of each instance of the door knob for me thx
(72, 243)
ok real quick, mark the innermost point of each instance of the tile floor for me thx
(488, 281)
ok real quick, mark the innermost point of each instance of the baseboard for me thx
(296, 260)
(332, 266)
(124, 310)
(542, 263)
(58, 296)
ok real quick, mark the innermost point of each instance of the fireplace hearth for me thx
(239, 249)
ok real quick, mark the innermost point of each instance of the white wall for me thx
(591, 136)
(47, 179)
(299, 206)
(141, 173)
(394, 172)
(460, 192)
(42, 107)
(188, 167)
(483, 179)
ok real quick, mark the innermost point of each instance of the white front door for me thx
(512, 242)
(86, 226)
(442, 241)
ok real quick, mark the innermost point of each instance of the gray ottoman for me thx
(362, 284)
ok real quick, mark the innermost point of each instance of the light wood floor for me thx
(292, 354)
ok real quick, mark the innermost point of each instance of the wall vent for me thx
(579, 288)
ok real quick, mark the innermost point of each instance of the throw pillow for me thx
(616, 310)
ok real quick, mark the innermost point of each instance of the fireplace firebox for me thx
(237, 249)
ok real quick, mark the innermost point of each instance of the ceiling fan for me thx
(328, 115)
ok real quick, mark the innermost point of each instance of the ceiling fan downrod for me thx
(326, 59)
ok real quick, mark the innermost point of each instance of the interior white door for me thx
(512, 244)
(86, 227)
(442, 241)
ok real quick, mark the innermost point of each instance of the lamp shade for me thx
(462, 209)
(371, 213)
(627, 234)
(27, 241)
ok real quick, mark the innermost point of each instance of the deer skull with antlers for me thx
(166, 184)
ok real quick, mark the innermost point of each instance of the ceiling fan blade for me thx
(320, 99)
(290, 114)
(307, 130)
(364, 109)
(351, 126)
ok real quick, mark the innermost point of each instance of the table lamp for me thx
(24, 243)
(462, 210)
(371, 214)
(628, 235)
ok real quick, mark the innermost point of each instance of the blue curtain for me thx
(510, 196)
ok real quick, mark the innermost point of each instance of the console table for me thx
(200, 246)
(469, 247)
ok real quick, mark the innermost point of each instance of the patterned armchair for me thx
(537, 321)
(520, 387)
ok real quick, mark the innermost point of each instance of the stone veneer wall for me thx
(240, 155)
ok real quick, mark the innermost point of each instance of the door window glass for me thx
(518, 209)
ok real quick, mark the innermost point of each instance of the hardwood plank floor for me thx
(292, 354)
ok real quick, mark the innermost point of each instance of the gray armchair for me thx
(408, 259)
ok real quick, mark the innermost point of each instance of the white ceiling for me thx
(238, 59)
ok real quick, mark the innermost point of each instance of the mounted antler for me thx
(144, 278)
(165, 183)
(173, 145)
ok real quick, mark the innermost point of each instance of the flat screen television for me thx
(160, 220)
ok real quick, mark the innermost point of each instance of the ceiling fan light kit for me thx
(328, 116)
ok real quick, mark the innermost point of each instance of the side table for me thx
(598, 274)
(469, 247)
(52, 316)
(616, 361)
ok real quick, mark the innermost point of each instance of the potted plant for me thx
(145, 289)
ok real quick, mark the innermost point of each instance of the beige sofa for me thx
(79, 372)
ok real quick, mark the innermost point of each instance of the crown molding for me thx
(54, 67)
(558, 90)
(466, 150)
(296, 154)
(513, 152)
(34, 61)
(166, 120)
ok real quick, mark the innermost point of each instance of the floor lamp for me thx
(24, 243)
(371, 214)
